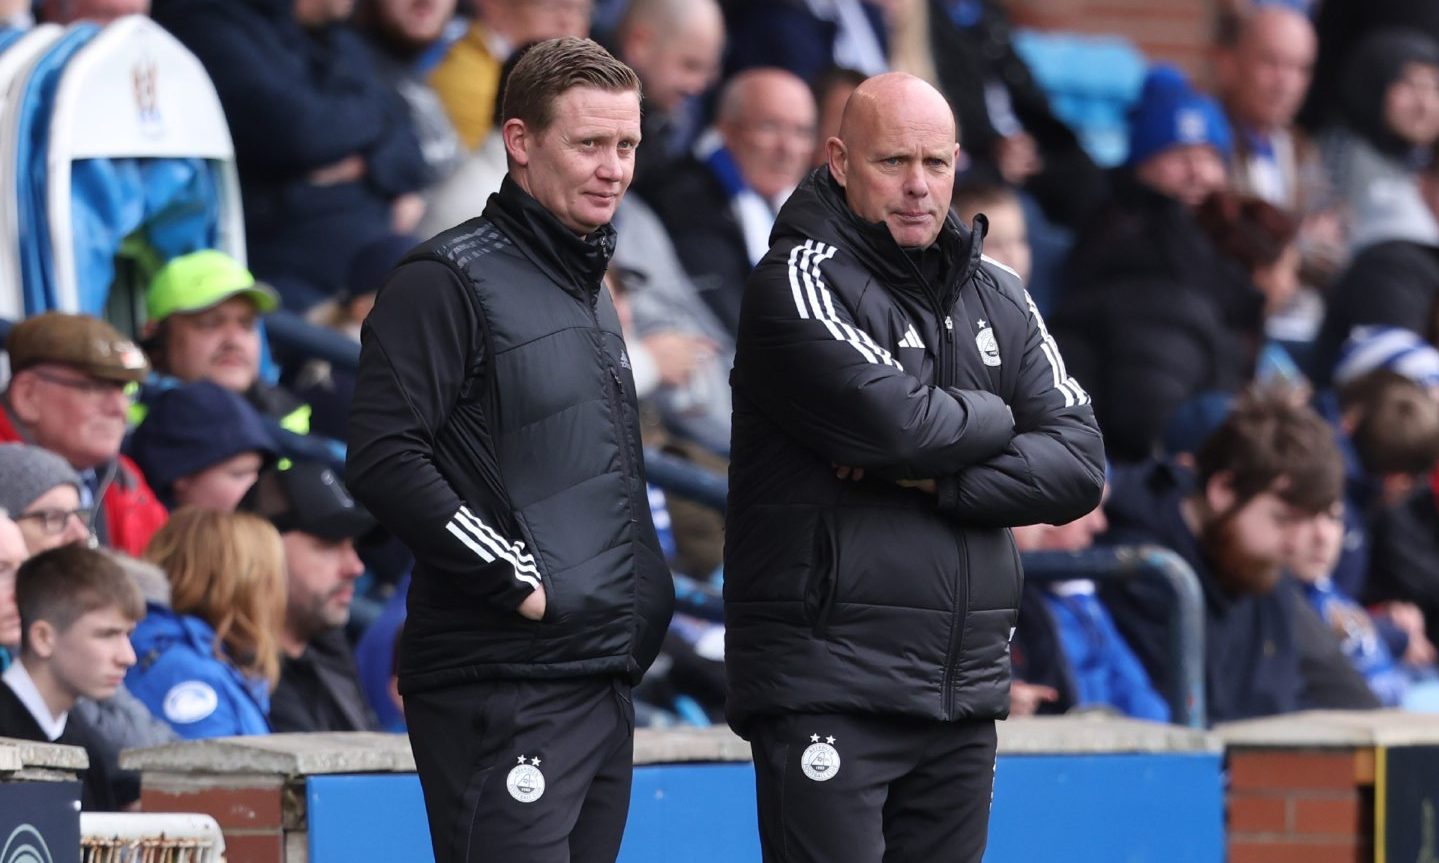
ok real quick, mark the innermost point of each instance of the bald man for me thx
(898, 404)
(675, 47)
(1263, 66)
(720, 204)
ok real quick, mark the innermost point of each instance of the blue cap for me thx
(194, 427)
(1171, 113)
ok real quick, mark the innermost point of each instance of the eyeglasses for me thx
(53, 521)
(86, 386)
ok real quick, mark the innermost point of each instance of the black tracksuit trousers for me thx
(873, 789)
(525, 771)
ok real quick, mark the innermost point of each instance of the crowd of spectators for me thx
(1249, 298)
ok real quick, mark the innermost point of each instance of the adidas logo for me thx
(911, 339)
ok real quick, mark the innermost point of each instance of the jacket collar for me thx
(818, 209)
(575, 263)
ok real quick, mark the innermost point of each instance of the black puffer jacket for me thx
(1152, 316)
(494, 430)
(868, 597)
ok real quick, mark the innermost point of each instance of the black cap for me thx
(308, 497)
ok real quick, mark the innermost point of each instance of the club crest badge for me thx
(526, 783)
(820, 760)
(988, 345)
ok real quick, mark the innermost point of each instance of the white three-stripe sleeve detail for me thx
(809, 303)
(813, 300)
(794, 285)
(506, 549)
(854, 332)
(1074, 394)
(489, 547)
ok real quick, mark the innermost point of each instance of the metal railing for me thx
(1185, 656)
(150, 837)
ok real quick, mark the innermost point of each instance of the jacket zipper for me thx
(956, 630)
(617, 411)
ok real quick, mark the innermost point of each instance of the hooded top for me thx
(1377, 62)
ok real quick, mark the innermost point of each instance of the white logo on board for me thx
(26, 845)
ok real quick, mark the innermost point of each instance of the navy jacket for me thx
(298, 100)
(1152, 316)
(1252, 660)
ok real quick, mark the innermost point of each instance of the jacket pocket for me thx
(554, 611)
(822, 583)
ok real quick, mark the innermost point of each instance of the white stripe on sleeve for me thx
(1073, 393)
(489, 546)
(813, 300)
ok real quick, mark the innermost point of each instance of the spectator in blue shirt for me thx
(1096, 665)
(208, 663)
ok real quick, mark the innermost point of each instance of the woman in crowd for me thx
(208, 663)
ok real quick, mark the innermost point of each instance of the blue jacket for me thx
(1105, 670)
(183, 681)
(1361, 641)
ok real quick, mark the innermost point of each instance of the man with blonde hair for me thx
(495, 431)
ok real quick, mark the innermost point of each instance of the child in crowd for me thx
(201, 445)
(1411, 682)
(208, 663)
(77, 611)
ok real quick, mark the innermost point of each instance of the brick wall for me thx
(1301, 806)
(259, 816)
(1176, 31)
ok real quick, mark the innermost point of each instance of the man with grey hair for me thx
(720, 203)
(494, 430)
(43, 492)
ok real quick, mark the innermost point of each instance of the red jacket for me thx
(129, 512)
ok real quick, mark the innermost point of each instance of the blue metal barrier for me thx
(686, 479)
(295, 340)
(1186, 615)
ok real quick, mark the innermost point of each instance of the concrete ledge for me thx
(319, 754)
(38, 759)
(1096, 734)
(278, 754)
(681, 745)
(1333, 729)
(1092, 734)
